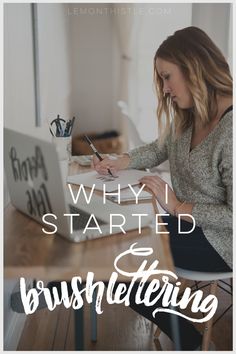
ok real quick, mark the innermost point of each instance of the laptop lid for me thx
(34, 177)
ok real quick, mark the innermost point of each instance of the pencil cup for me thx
(63, 147)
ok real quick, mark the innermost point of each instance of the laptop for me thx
(37, 188)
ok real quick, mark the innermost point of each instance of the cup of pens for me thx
(61, 131)
(63, 147)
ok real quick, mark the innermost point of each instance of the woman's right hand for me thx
(114, 164)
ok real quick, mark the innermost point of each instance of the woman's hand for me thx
(157, 187)
(115, 164)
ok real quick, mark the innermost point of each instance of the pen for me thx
(96, 152)
(67, 128)
(71, 125)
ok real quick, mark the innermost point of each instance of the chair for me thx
(214, 279)
(134, 139)
(133, 134)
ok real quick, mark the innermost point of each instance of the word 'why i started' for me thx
(116, 221)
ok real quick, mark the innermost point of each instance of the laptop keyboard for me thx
(80, 222)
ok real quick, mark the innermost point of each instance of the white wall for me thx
(55, 77)
(158, 22)
(92, 41)
(214, 19)
(19, 109)
(54, 61)
(230, 39)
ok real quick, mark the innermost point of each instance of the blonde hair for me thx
(207, 75)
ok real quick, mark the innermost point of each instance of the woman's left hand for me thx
(157, 186)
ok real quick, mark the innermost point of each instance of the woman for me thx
(194, 90)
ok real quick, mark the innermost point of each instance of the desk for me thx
(28, 252)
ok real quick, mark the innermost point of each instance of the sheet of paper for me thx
(122, 178)
(127, 194)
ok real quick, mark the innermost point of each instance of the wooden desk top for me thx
(28, 252)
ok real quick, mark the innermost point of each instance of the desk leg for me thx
(79, 324)
(175, 331)
(79, 329)
(93, 317)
